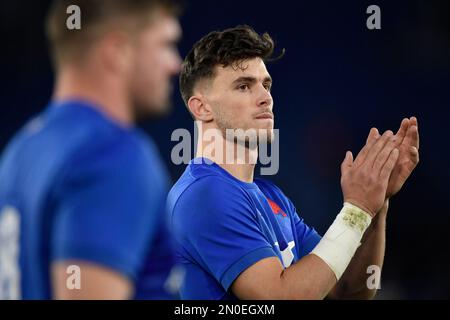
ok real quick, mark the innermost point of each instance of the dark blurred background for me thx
(336, 81)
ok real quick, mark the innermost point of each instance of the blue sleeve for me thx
(307, 236)
(217, 226)
(107, 212)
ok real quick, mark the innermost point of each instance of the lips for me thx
(265, 115)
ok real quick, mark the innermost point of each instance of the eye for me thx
(243, 87)
(268, 86)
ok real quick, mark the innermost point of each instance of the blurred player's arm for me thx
(96, 282)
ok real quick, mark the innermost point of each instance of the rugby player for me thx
(82, 189)
(241, 237)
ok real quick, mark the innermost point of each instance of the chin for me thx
(153, 110)
(162, 108)
(267, 138)
(268, 130)
(263, 135)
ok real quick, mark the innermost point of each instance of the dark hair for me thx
(95, 15)
(227, 47)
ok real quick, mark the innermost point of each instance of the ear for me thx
(200, 109)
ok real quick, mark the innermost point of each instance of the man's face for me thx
(156, 61)
(240, 98)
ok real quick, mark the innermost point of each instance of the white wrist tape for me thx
(340, 242)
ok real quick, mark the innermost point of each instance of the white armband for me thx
(340, 242)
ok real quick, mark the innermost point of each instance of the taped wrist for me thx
(340, 242)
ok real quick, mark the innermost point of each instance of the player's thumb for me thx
(347, 163)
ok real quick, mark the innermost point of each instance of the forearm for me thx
(353, 284)
(308, 279)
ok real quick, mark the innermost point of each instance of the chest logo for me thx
(276, 209)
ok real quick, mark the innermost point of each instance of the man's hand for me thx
(408, 146)
(407, 142)
(364, 181)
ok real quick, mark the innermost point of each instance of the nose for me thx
(264, 97)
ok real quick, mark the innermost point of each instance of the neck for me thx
(106, 93)
(233, 157)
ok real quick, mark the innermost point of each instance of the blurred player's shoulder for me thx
(73, 138)
(76, 131)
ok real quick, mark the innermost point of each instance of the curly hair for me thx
(228, 47)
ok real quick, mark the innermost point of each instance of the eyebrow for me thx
(251, 80)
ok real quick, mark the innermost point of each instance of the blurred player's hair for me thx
(228, 47)
(97, 18)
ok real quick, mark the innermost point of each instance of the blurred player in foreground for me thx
(82, 189)
(241, 237)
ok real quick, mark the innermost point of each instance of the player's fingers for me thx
(412, 137)
(415, 137)
(377, 147)
(373, 135)
(413, 121)
(389, 165)
(371, 139)
(415, 154)
(383, 155)
(401, 133)
(347, 163)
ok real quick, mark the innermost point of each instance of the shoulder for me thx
(115, 159)
(205, 200)
(267, 184)
(208, 190)
(116, 154)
